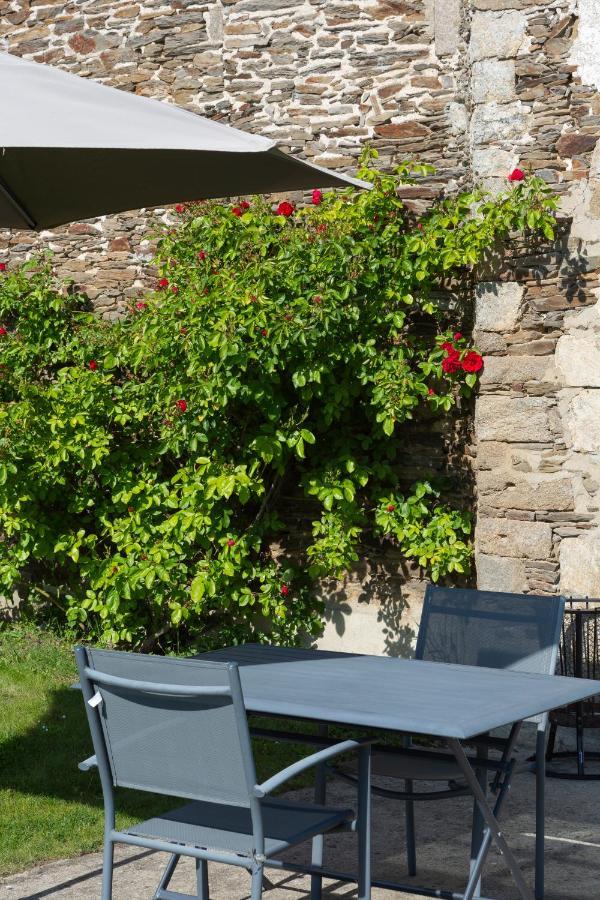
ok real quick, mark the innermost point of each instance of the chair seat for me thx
(418, 768)
(216, 826)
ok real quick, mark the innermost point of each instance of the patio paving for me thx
(573, 854)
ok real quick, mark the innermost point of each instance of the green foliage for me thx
(141, 461)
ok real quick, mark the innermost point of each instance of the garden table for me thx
(454, 703)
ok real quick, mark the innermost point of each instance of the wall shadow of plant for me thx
(382, 587)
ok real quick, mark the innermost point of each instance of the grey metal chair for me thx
(478, 628)
(179, 728)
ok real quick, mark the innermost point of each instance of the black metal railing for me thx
(579, 657)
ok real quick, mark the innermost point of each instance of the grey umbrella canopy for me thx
(71, 148)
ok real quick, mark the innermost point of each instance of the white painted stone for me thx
(498, 305)
(528, 492)
(497, 34)
(493, 122)
(511, 537)
(446, 26)
(500, 573)
(516, 419)
(215, 23)
(493, 80)
(492, 455)
(578, 359)
(581, 417)
(580, 565)
(586, 319)
(584, 52)
(353, 625)
(521, 369)
(493, 163)
(458, 117)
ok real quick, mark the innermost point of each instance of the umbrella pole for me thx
(28, 221)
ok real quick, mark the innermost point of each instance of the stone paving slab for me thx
(573, 854)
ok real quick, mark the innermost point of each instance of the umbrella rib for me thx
(17, 205)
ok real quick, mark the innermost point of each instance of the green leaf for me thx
(197, 589)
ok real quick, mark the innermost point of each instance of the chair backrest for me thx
(491, 629)
(169, 726)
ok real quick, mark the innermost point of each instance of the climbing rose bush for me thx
(145, 463)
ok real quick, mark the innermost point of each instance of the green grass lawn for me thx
(48, 808)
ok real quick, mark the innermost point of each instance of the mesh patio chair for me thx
(477, 628)
(179, 728)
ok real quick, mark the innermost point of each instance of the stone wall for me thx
(320, 76)
(536, 423)
(474, 87)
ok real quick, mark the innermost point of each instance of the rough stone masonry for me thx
(474, 88)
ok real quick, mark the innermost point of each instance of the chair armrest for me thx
(261, 790)
(90, 763)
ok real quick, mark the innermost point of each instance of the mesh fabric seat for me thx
(179, 728)
(218, 827)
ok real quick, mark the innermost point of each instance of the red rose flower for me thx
(263, 331)
(3, 331)
(183, 330)
(231, 542)
(391, 507)
(180, 207)
(2, 267)
(457, 336)
(448, 346)
(284, 590)
(420, 225)
(285, 209)
(317, 196)
(472, 362)
(163, 283)
(181, 405)
(175, 289)
(141, 305)
(451, 364)
(516, 175)
(93, 365)
(431, 392)
(244, 204)
(236, 211)
(202, 255)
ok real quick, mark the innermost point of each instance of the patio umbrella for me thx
(71, 148)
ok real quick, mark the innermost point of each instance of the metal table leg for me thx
(490, 819)
(316, 881)
(540, 805)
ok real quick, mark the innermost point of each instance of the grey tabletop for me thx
(417, 697)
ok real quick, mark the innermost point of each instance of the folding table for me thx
(453, 703)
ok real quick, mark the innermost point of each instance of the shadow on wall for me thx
(386, 602)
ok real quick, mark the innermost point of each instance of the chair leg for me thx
(551, 742)
(257, 883)
(540, 811)
(364, 823)
(409, 820)
(202, 879)
(316, 881)
(107, 869)
(478, 823)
